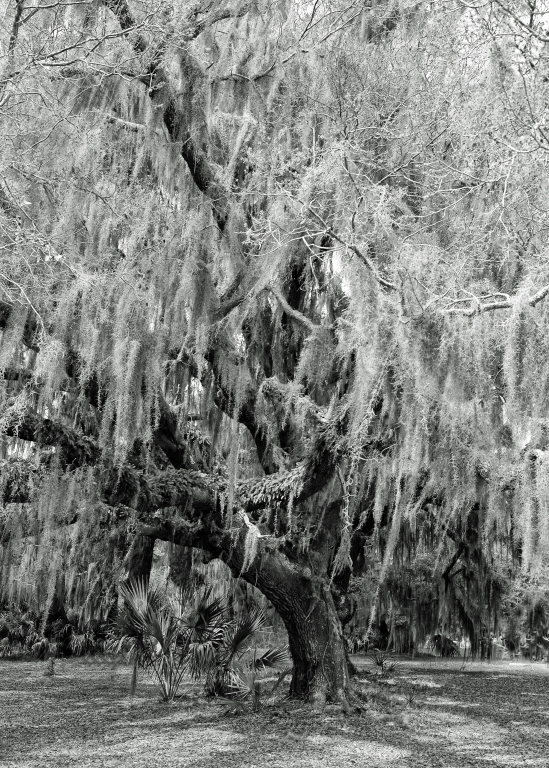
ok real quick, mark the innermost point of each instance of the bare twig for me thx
(366, 260)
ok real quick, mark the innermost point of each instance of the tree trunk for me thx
(315, 636)
(304, 601)
(140, 558)
(318, 650)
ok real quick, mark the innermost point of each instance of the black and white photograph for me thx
(274, 383)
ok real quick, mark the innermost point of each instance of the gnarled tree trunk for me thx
(318, 650)
(298, 586)
(304, 601)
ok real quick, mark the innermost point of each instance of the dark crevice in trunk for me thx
(140, 558)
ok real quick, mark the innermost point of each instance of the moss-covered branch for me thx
(175, 107)
(76, 448)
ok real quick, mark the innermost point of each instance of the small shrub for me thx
(42, 647)
(18, 630)
(21, 634)
(49, 670)
(382, 664)
(152, 638)
(378, 700)
(411, 695)
(86, 642)
(234, 672)
(443, 645)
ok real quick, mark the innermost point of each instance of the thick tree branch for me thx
(455, 557)
(19, 5)
(125, 18)
(77, 448)
(293, 313)
(8, 73)
(128, 486)
(175, 117)
(480, 305)
(127, 124)
(525, 25)
(200, 25)
(178, 487)
(219, 359)
(30, 331)
(181, 450)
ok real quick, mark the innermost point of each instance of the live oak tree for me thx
(274, 284)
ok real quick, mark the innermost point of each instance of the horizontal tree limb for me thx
(478, 307)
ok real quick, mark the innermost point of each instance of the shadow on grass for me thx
(83, 715)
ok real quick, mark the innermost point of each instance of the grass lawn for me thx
(430, 713)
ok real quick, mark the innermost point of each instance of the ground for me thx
(428, 713)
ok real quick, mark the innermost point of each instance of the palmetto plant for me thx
(21, 632)
(170, 639)
(236, 672)
(18, 630)
(382, 664)
(443, 645)
(154, 639)
(244, 676)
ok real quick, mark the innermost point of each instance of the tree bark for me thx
(318, 651)
(317, 646)
(298, 585)
(140, 558)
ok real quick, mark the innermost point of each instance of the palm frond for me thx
(158, 636)
(208, 619)
(212, 614)
(41, 646)
(272, 658)
(77, 644)
(159, 626)
(241, 684)
(201, 658)
(137, 595)
(244, 629)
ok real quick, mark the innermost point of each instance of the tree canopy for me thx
(274, 285)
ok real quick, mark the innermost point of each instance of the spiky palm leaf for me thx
(41, 647)
(208, 625)
(272, 658)
(152, 637)
(243, 680)
(168, 641)
(77, 644)
(201, 658)
(32, 638)
(84, 642)
(208, 619)
(138, 599)
(242, 684)
(228, 651)
(245, 628)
